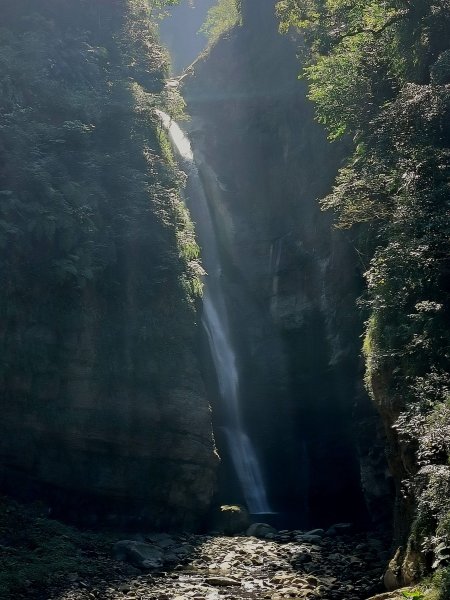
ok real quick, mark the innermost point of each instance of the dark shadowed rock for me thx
(261, 530)
(340, 529)
(310, 539)
(230, 519)
(138, 554)
(319, 532)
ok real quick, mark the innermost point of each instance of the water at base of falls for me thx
(247, 466)
(216, 323)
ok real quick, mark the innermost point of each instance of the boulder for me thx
(261, 530)
(319, 532)
(140, 555)
(162, 540)
(230, 519)
(309, 539)
(339, 529)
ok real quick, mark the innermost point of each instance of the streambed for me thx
(208, 567)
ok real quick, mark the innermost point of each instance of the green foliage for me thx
(37, 552)
(379, 73)
(413, 595)
(441, 585)
(361, 53)
(220, 18)
(350, 70)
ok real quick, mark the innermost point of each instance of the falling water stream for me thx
(216, 324)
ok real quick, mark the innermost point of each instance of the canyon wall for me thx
(293, 280)
(104, 414)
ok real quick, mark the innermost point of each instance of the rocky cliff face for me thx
(293, 280)
(103, 409)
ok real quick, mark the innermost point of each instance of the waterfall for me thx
(216, 323)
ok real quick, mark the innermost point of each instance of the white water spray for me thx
(216, 324)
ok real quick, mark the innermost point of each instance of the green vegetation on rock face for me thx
(87, 201)
(38, 553)
(220, 19)
(380, 72)
(100, 270)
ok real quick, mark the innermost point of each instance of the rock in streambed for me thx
(291, 564)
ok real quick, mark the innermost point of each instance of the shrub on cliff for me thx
(220, 18)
